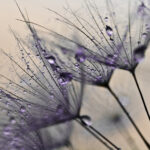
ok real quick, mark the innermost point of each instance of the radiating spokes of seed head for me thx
(16, 137)
(42, 95)
(44, 92)
(117, 41)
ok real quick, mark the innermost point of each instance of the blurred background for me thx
(98, 103)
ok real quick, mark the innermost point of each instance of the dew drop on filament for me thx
(106, 19)
(141, 9)
(86, 120)
(60, 109)
(139, 53)
(22, 109)
(7, 131)
(65, 77)
(110, 59)
(12, 120)
(80, 57)
(109, 30)
(51, 59)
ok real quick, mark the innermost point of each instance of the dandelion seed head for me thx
(16, 137)
(45, 85)
(107, 41)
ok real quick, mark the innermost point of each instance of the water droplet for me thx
(12, 120)
(144, 35)
(7, 131)
(139, 53)
(141, 9)
(51, 59)
(29, 105)
(109, 30)
(28, 67)
(86, 120)
(65, 77)
(106, 19)
(43, 51)
(58, 68)
(60, 109)
(110, 59)
(80, 57)
(77, 66)
(22, 109)
(64, 50)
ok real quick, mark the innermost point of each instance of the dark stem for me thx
(96, 131)
(126, 134)
(144, 104)
(91, 130)
(130, 118)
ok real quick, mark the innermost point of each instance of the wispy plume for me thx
(104, 47)
(13, 136)
(46, 94)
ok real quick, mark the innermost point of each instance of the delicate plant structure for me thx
(14, 136)
(18, 126)
(49, 96)
(108, 48)
(46, 92)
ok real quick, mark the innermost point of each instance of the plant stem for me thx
(129, 117)
(140, 92)
(91, 130)
(96, 131)
(126, 134)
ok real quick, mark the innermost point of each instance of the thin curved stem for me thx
(142, 97)
(130, 118)
(97, 135)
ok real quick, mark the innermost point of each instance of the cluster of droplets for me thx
(64, 77)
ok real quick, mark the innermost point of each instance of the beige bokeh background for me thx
(98, 103)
